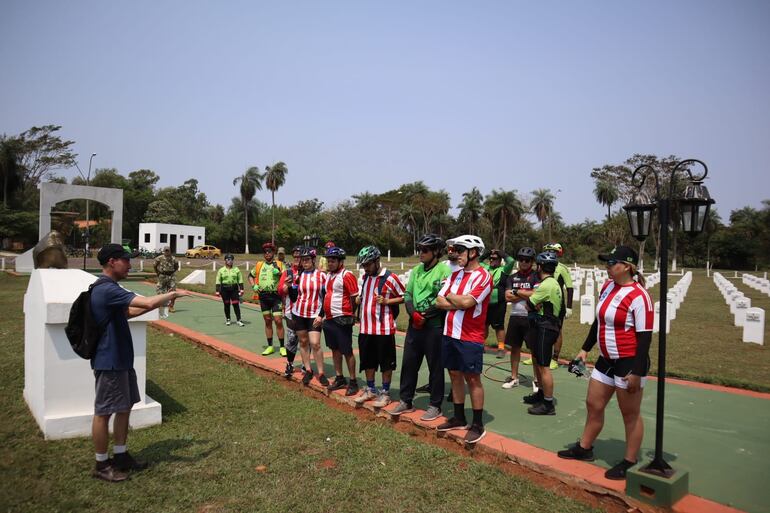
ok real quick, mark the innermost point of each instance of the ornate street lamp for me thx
(694, 205)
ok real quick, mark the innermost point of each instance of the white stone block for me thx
(754, 326)
(733, 298)
(195, 278)
(58, 384)
(587, 309)
(741, 307)
(590, 289)
(24, 262)
(656, 320)
(671, 308)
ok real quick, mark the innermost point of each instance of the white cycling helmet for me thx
(467, 241)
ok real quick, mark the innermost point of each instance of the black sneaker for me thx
(288, 371)
(544, 408)
(323, 380)
(307, 377)
(352, 388)
(535, 398)
(453, 423)
(125, 462)
(338, 383)
(618, 472)
(425, 389)
(106, 471)
(475, 433)
(576, 452)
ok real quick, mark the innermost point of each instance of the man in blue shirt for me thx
(113, 363)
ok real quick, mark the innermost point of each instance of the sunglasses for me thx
(610, 263)
(460, 249)
(425, 250)
(525, 260)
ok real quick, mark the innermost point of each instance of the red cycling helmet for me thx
(268, 246)
(329, 244)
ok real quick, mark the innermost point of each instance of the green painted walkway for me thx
(721, 439)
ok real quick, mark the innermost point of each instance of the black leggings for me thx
(230, 296)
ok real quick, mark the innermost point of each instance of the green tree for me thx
(542, 206)
(471, 210)
(275, 178)
(250, 183)
(606, 194)
(10, 168)
(161, 211)
(504, 209)
(41, 152)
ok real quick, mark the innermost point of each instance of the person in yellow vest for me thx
(229, 284)
(264, 280)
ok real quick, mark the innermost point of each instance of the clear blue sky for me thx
(357, 95)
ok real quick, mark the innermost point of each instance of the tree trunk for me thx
(272, 239)
(505, 230)
(609, 205)
(246, 226)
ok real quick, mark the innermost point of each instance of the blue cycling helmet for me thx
(335, 252)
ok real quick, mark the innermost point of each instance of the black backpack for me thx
(82, 330)
(394, 309)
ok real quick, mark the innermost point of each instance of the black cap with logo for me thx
(113, 251)
(621, 254)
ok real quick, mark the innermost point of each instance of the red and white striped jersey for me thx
(311, 284)
(468, 325)
(378, 319)
(285, 297)
(341, 288)
(622, 311)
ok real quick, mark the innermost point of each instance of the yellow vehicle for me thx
(203, 252)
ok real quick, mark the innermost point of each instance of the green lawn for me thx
(221, 424)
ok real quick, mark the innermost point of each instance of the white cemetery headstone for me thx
(671, 307)
(733, 298)
(587, 309)
(656, 320)
(197, 277)
(754, 326)
(589, 288)
(58, 384)
(741, 307)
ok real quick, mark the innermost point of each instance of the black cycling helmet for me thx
(307, 251)
(547, 260)
(229, 256)
(295, 249)
(335, 252)
(526, 253)
(431, 240)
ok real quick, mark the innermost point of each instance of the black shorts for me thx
(304, 323)
(613, 372)
(496, 315)
(459, 355)
(519, 331)
(116, 391)
(544, 339)
(230, 294)
(377, 351)
(270, 302)
(338, 337)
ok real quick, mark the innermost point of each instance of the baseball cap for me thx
(281, 251)
(621, 254)
(112, 251)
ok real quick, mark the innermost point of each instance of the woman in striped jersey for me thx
(309, 285)
(623, 328)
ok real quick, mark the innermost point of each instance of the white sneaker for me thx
(366, 395)
(432, 413)
(510, 382)
(227, 322)
(382, 400)
(240, 323)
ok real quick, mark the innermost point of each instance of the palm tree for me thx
(10, 168)
(606, 193)
(251, 182)
(471, 209)
(275, 177)
(504, 208)
(542, 207)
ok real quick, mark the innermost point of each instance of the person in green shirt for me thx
(545, 306)
(264, 280)
(426, 325)
(229, 284)
(564, 278)
(499, 267)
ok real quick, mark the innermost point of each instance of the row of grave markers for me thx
(752, 320)
(760, 284)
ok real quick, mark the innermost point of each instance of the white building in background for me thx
(179, 237)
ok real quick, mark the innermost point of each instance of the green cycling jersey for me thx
(499, 276)
(423, 287)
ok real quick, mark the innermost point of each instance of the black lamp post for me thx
(694, 206)
(314, 240)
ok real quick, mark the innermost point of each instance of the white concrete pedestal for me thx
(58, 384)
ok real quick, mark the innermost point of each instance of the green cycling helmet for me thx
(368, 254)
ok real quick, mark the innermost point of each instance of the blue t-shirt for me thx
(115, 350)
